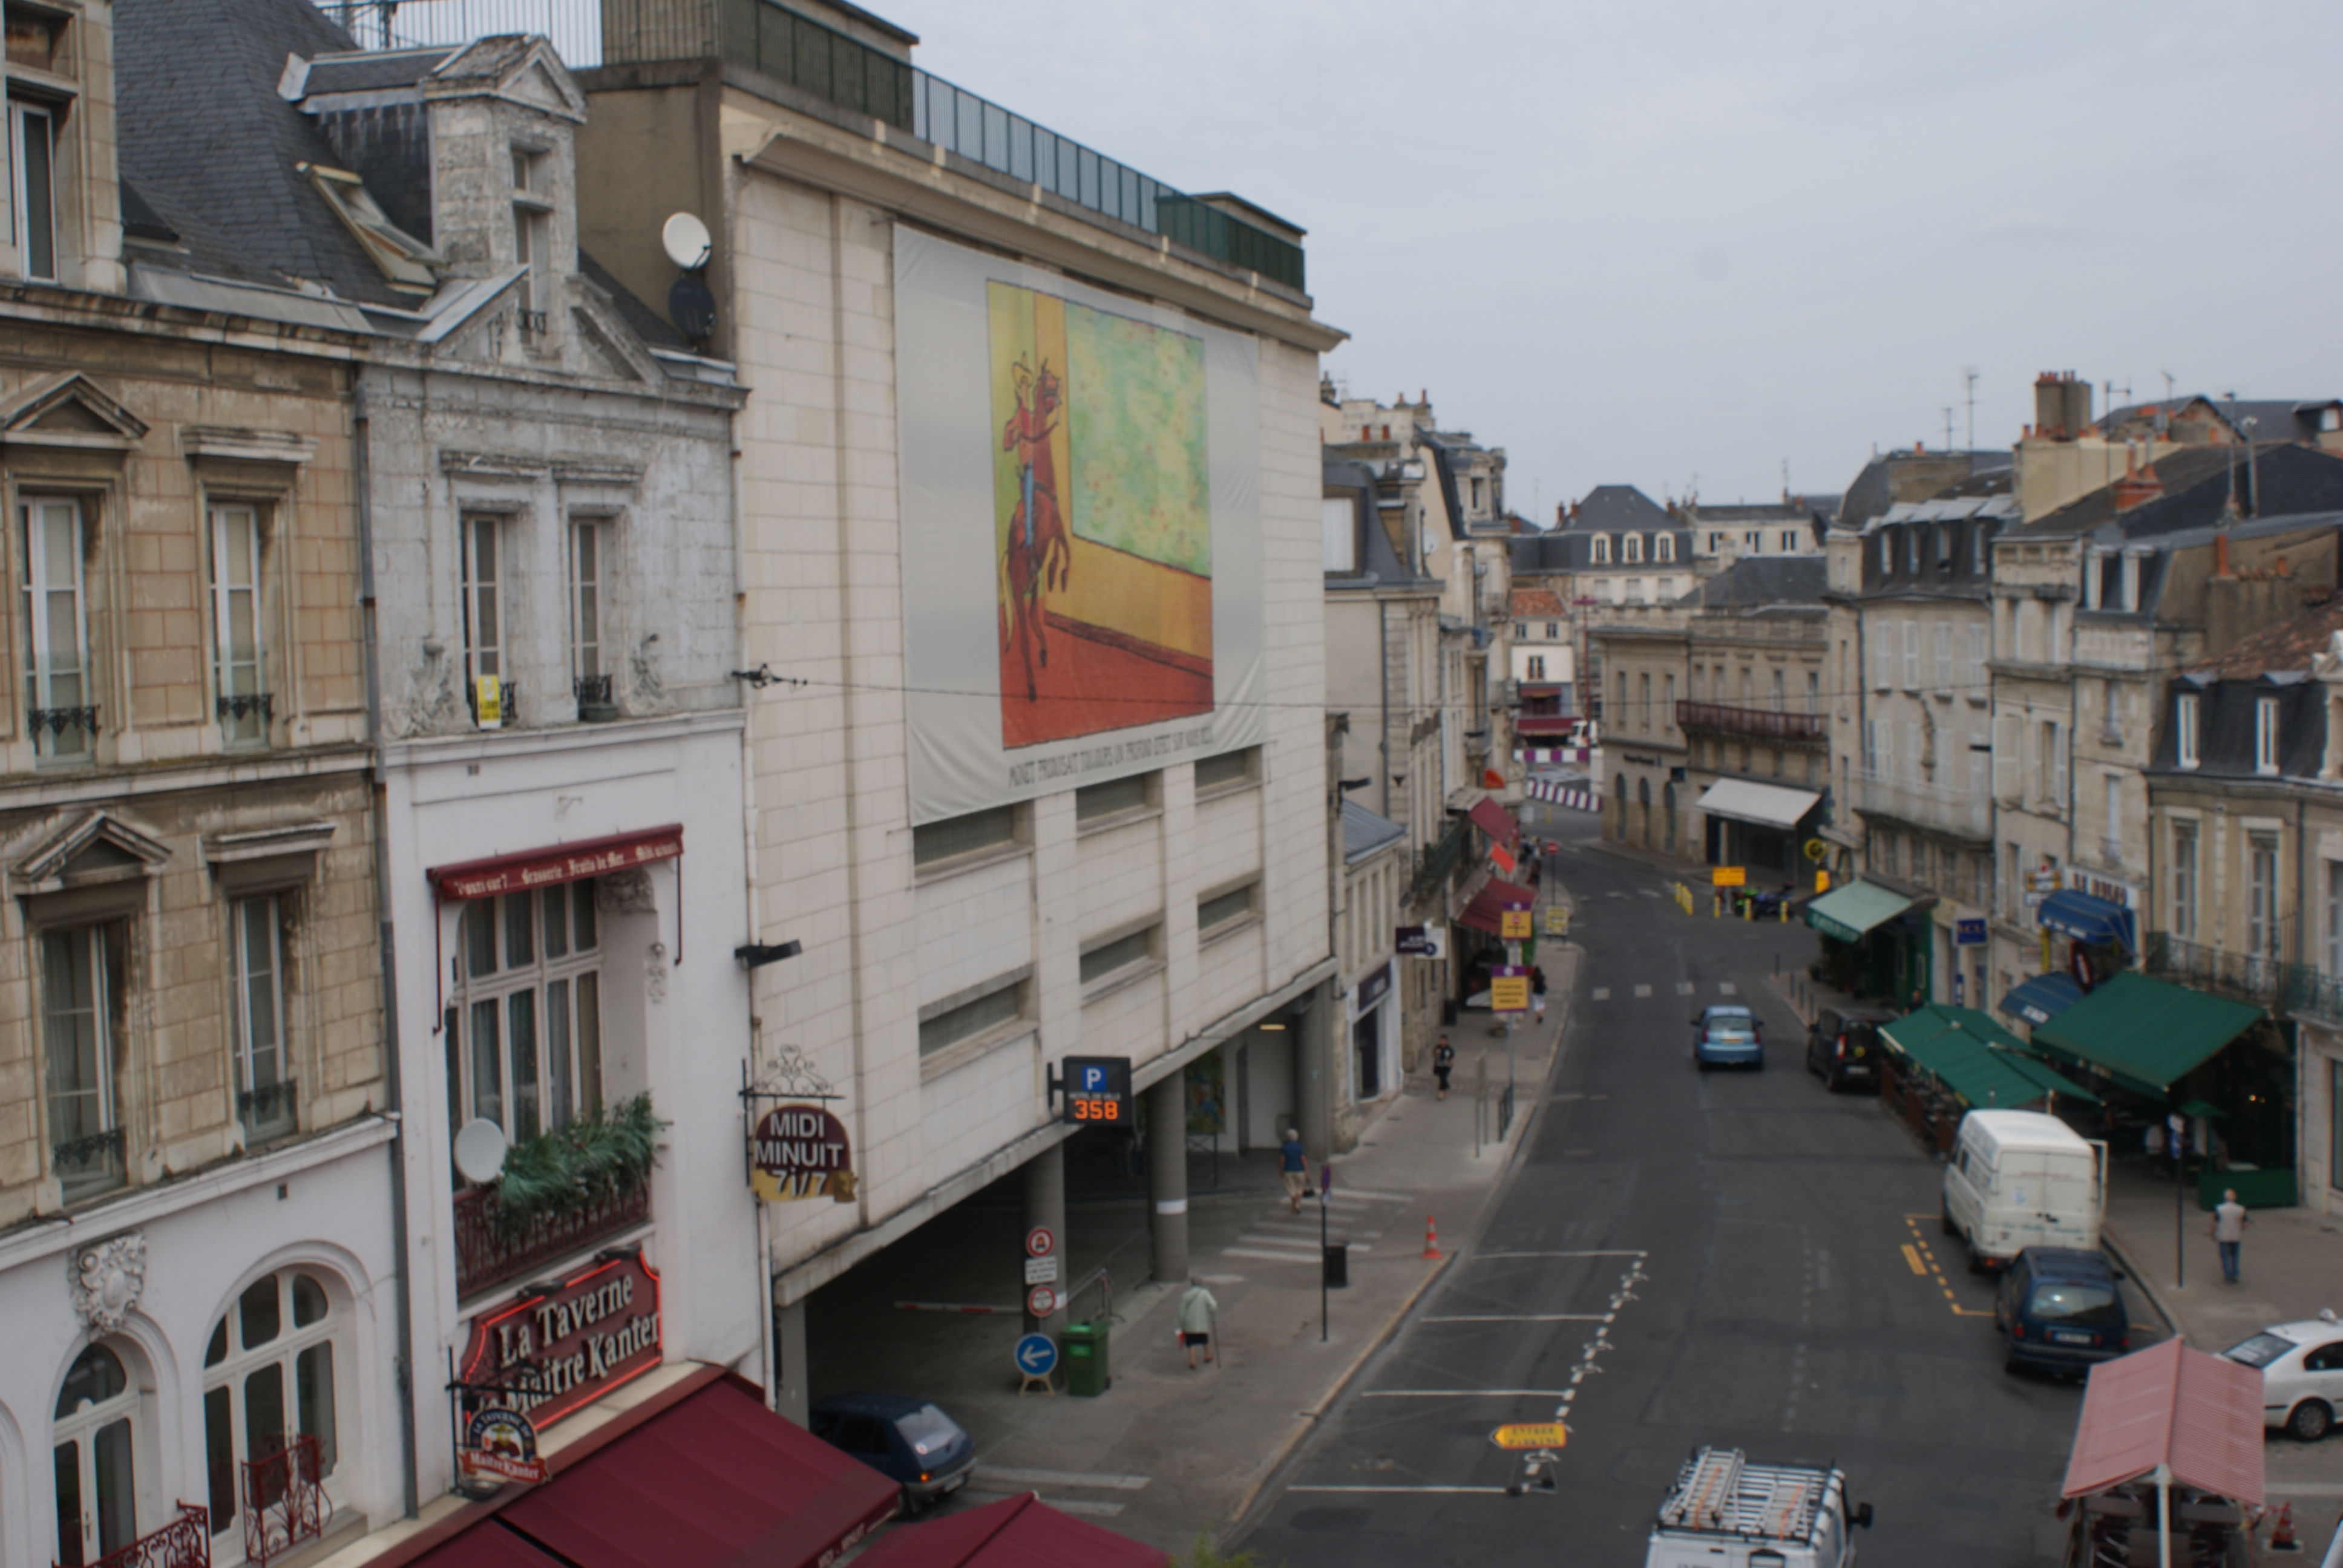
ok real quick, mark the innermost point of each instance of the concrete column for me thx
(1045, 1205)
(1313, 1072)
(1167, 1175)
(790, 1392)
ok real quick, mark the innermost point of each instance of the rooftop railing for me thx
(1757, 723)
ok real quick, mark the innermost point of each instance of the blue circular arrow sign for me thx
(1036, 1355)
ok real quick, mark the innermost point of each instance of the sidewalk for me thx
(1167, 1453)
(2290, 1266)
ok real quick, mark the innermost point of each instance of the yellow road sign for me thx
(1509, 994)
(1513, 925)
(1530, 1435)
(1727, 876)
(1557, 921)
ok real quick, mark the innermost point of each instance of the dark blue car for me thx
(1727, 1035)
(907, 1440)
(2062, 1309)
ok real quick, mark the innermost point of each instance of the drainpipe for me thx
(1383, 721)
(403, 1365)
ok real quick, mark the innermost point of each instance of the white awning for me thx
(1764, 804)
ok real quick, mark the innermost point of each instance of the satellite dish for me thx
(479, 1149)
(686, 240)
(691, 306)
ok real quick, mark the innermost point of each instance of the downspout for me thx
(403, 1364)
(1382, 720)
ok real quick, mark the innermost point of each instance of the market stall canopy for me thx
(1982, 1064)
(1848, 912)
(700, 1472)
(1490, 902)
(2088, 918)
(1767, 805)
(2146, 1034)
(1014, 1533)
(2041, 998)
(2170, 1405)
(1494, 821)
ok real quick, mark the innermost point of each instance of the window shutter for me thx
(1911, 656)
(2005, 756)
(2058, 738)
(1913, 754)
(1980, 642)
(1944, 641)
(1882, 656)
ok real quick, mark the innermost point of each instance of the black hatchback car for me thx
(2063, 1310)
(1843, 1046)
(907, 1440)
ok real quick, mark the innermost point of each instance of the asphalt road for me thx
(1685, 1259)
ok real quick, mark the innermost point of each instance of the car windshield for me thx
(928, 1430)
(2066, 1301)
(2260, 1350)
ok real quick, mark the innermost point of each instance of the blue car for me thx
(907, 1441)
(1727, 1036)
(2062, 1309)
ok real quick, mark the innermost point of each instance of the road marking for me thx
(1521, 1318)
(1487, 1491)
(1305, 1249)
(1265, 1255)
(1062, 1478)
(1590, 1361)
(1222, 1279)
(1614, 893)
(1650, 893)
(1685, 987)
(1919, 1244)
(1726, 988)
(1369, 1195)
(1598, 1253)
(1461, 1394)
(1912, 1256)
(1643, 990)
(1600, 993)
(1064, 1504)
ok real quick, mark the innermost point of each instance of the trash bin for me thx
(1337, 1265)
(1085, 1347)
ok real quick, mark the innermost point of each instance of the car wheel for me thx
(2309, 1421)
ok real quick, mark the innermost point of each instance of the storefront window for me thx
(525, 1040)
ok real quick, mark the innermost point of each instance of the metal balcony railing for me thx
(486, 1256)
(1925, 805)
(185, 1543)
(90, 1165)
(2255, 977)
(1440, 862)
(284, 1501)
(2309, 993)
(268, 1110)
(1755, 723)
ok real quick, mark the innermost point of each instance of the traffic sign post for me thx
(1037, 1358)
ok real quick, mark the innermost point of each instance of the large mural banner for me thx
(1081, 490)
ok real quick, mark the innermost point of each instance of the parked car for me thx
(1727, 1035)
(2063, 1310)
(906, 1439)
(1843, 1046)
(2302, 1373)
(2020, 1179)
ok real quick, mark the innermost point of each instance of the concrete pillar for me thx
(791, 1394)
(1045, 1205)
(1313, 1072)
(1167, 1175)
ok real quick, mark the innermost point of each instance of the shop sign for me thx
(1530, 1435)
(547, 1354)
(1509, 989)
(1968, 933)
(1728, 876)
(2112, 890)
(1421, 942)
(1370, 992)
(560, 863)
(500, 1441)
(801, 1152)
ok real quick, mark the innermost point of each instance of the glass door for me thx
(97, 1512)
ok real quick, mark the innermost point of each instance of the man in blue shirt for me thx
(1295, 1165)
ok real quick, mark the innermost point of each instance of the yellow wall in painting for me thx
(1140, 599)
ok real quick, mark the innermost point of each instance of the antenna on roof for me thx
(1969, 380)
(1948, 429)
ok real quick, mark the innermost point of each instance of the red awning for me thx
(700, 1474)
(1014, 1533)
(1490, 902)
(2168, 1405)
(1544, 723)
(557, 863)
(1494, 821)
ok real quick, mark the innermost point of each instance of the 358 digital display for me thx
(1097, 1090)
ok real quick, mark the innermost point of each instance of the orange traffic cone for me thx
(1431, 1239)
(2282, 1533)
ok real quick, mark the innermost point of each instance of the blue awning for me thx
(2041, 999)
(2090, 920)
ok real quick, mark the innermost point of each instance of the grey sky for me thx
(1641, 242)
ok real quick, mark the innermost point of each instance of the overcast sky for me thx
(1649, 241)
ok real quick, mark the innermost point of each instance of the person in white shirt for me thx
(2230, 1222)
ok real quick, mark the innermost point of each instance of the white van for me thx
(1726, 1512)
(2020, 1178)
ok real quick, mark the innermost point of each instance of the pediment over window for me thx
(97, 848)
(68, 409)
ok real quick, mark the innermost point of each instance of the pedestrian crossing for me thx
(1280, 1235)
(1683, 988)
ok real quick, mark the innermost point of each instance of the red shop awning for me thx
(1014, 1533)
(497, 874)
(1494, 821)
(701, 1473)
(1490, 902)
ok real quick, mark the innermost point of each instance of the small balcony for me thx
(1766, 724)
(2250, 976)
(185, 1543)
(487, 1256)
(1922, 805)
(268, 1110)
(284, 1501)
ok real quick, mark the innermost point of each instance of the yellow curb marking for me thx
(1923, 1260)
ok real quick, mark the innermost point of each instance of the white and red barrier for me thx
(1538, 754)
(1576, 799)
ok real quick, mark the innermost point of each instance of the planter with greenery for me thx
(592, 1160)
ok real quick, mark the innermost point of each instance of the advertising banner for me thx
(801, 1152)
(1082, 553)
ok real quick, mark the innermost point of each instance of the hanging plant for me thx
(594, 1159)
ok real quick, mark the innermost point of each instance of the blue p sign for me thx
(1094, 1080)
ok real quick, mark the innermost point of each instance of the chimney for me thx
(2062, 406)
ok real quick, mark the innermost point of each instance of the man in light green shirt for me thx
(1197, 1309)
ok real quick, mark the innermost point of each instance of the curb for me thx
(2122, 1255)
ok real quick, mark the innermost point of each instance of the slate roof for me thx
(1572, 550)
(1380, 564)
(1787, 581)
(1617, 506)
(2290, 646)
(2293, 479)
(1536, 604)
(1365, 831)
(373, 71)
(1874, 488)
(2274, 418)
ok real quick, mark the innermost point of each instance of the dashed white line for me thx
(1685, 987)
(1726, 988)
(1600, 993)
(1651, 893)
(1643, 990)
(1461, 1394)
(1519, 1318)
(1485, 1491)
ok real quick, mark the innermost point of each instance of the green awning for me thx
(1982, 1064)
(2146, 1034)
(1848, 912)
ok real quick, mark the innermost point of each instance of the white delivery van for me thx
(2019, 1178)
(1726, 1512)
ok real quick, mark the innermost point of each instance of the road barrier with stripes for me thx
(1576, 799)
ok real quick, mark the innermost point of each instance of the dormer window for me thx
(1886, 554)
(1635, 547)
(1603, 550)
(2266, 735)
(1667, 545)
(32, 172)
(404, 259)
(2185, 732)
(532, 219)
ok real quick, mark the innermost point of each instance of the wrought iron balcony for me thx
(2311, 994)
(85, 1166)
(508, 693)
(284, 1501)
(1924, 805)
(185, 1543)
(59, 721)
(486, 1256)
(1781, 727)
(2253, 976)
(245, 705)
(268, 1111)
(1440, 862)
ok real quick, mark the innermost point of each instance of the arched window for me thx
(269, 1377)
(95, 1450)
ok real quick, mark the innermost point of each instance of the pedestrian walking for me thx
(1537, 993)
(2230, 1222)
(1443, 1062)
(1295, 1165)
(1199, 1311)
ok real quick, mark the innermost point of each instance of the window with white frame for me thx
(1536, 666)
(1602, 549)
(1942, 641)
(588, 541)
(1665, 544)
(1553, 631)
(1911, 656)
(95, 1452)
(1338, 534)
(1789, 540)
(81, 1028)
(2261, 894)
(264, 1084)
(2266, 735)
(525, 1035)
(1754, 541)
(240, 700)
(2183, 880)
(2184, 729)
(485, 574)
(59, 714)
(33, 155)
(1634, 543)
(1886, 554)
(532, 219)
(269, 1376)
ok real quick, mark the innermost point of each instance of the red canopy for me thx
(2168, 1405)
(1014, 1533)
(1487, 904)
(1494, 821)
